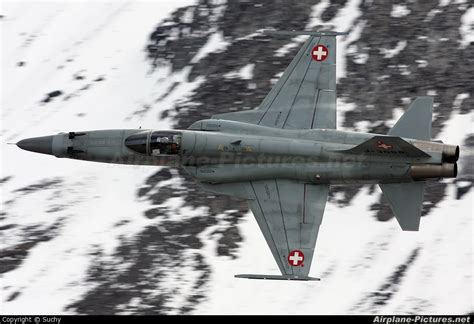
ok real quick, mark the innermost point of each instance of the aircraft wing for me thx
(305, 95)
(289, 214)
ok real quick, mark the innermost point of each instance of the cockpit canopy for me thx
(155, 143)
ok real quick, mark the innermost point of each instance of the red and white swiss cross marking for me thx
(296, 258)
(384, 146)
(319, 53)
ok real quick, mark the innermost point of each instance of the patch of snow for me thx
(342, 108)
(316, 13)
(459, 99)
(275, 79)
(458, 126)
(295, 42)
(361, 58)
(422, 63)
(389, 53)
(403, 68)
(362, 126)
(249, 36)
(455, 131)
(179, 93)
(397, 113)
(347, 20)
(244, 73)
(215, 44)
(188, 16)
(102, 39)
(383, 77)
(432, 13)
(399, 11)
(464, 183)
(467, 28)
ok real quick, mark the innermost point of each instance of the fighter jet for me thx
(283, 156)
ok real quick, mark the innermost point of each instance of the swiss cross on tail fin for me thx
(387, 146)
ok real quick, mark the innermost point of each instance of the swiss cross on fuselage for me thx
(319, 53)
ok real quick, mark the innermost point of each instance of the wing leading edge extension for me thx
(305, 96)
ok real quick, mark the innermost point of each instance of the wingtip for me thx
(272, 31)
(275, 277)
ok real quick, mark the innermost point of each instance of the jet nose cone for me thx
(43, 144)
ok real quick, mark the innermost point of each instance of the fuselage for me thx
(219, 151)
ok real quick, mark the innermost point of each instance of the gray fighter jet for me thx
(283, 156)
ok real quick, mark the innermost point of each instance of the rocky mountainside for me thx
(97, 239)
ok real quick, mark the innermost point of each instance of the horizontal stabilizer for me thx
(275, 277)
(406, 202)
(388, 146)
(416, 122)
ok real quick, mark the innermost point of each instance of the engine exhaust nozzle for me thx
(450, 153)
(445, 170)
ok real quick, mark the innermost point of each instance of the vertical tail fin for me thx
(416, 121)
(406, 201)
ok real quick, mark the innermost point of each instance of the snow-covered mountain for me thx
(79, 237)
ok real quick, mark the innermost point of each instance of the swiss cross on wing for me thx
(319, 53)
(296, 258)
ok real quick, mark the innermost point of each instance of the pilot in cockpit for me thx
(165, 144)
(155, 143)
